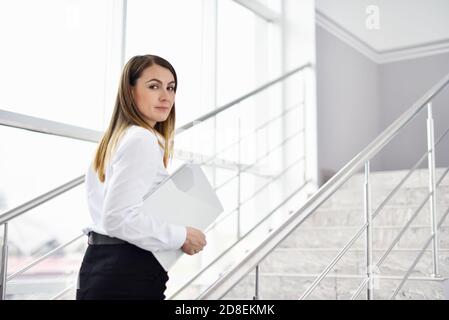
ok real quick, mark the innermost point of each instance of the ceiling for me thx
(405, 26)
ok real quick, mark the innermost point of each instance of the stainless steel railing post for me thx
(239, 181)
(4, 265)
(432, 189)
(256, 286)
(304, 115)
(368, 233)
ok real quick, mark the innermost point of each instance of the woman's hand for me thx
(195, 241)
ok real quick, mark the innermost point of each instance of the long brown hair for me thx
(126, 113)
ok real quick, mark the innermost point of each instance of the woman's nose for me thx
(164, 95)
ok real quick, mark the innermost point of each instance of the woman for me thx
(131, 160)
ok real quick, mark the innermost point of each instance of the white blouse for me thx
(115, 206)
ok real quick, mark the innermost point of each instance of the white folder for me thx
(184, 198)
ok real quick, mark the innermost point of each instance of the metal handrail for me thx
(360, 288)
(41, 199)
(263, 125)
(404, 229)
(64, 291)
(35, 124)
(406, 226)
(365, 226)
(398, 237)
(415, 262)
(405, 178)
(265, 218)
(401, 233)
(255, 193)
(210, 228)
(238, 100)
(43, 257)
(352, 275)
(17, 211)
(249, 166)
(329, 267)
(54, 251)
(327, 190)
(20, 121)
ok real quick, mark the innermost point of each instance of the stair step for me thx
(288, 287)
(337, 237)
(286, 272)
(388, 179)
(389, 215)
(353, 262)
(409, 196)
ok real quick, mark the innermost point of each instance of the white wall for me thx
(402, 84)
(357, 99)
(347, 102)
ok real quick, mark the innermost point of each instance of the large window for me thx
(54, 58)
(173, 29)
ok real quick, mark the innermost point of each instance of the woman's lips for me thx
(162, 108)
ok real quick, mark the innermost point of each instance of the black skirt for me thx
(120, 271)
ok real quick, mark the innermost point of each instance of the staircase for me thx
(291, 268)
(277, 239)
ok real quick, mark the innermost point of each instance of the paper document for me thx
(184, 198)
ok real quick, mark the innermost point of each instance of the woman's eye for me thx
(171, 88)
(154, 86)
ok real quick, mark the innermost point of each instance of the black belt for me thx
(100, 239)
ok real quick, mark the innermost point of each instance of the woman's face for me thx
(154, 93)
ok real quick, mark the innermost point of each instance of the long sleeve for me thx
(134, 168)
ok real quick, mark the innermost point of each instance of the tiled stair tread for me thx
(382, 237)
(414, 249)
(314, 244)
(395, 227)
(404, 196)
(389, 215)
(392, 178)
(333, 288)
(306, 261)
(389, 206)
(291, 288)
